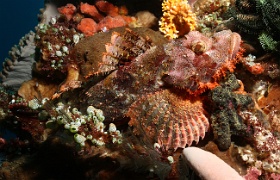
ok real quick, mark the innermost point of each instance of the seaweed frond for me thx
(267, 42)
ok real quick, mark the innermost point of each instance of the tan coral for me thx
(72, 80)
(270, 104)
(36, 88)
(178, 18)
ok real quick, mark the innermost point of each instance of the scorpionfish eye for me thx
(199, 47)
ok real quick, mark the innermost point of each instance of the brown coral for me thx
(171, 120)
(36, 88)
(270, 104)
(177, 19)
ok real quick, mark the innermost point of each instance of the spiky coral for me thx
(178, 18)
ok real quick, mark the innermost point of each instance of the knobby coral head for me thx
(196, 62)
(178, 18)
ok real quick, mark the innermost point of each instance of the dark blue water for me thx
(18, 17)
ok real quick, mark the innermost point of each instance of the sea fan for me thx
(18, 67)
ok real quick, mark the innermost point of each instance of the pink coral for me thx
(264, 139)
(266, 152)
(253, 173)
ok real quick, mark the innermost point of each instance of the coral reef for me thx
(118, 103)
(178, 18)
(58, 37)
(225, 120)
(54, 60)
(174, 118)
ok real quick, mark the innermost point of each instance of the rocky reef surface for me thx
(136, 89)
